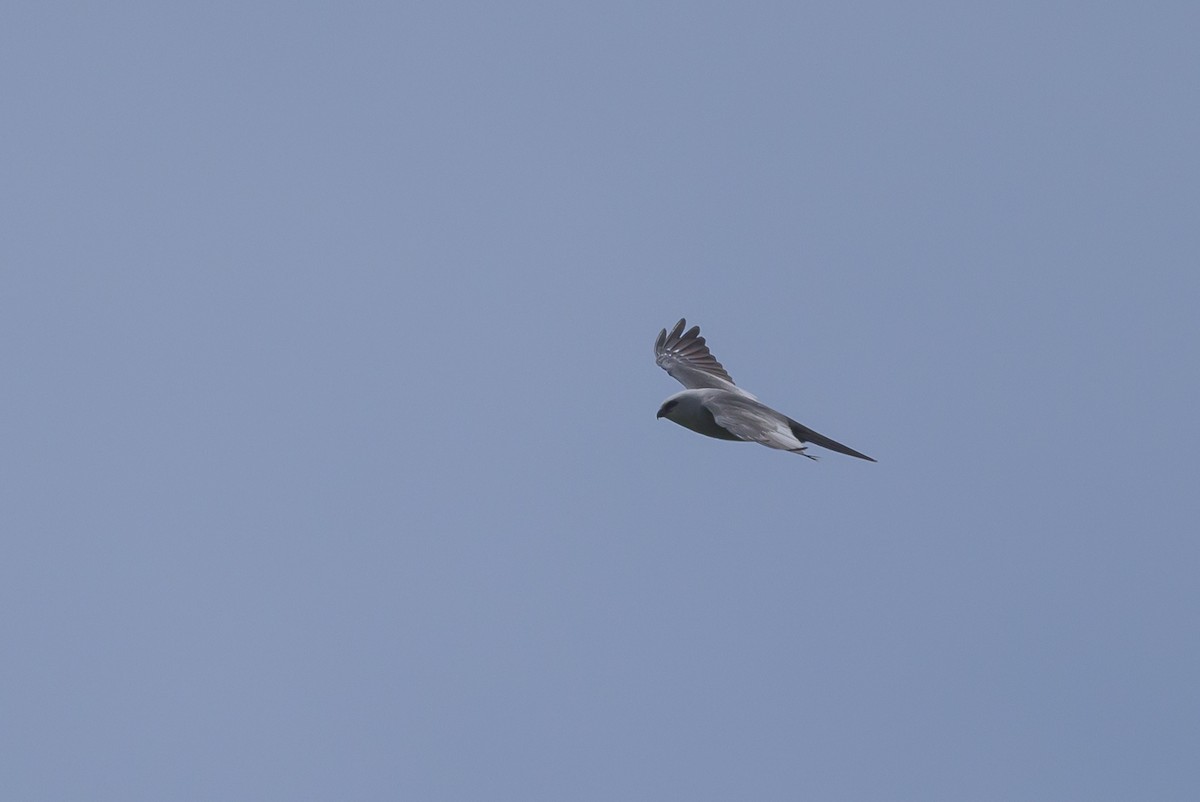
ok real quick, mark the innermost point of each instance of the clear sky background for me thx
(330, 467)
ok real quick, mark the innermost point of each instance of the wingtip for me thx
(850, 452)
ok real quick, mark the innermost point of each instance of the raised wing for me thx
(685, 356)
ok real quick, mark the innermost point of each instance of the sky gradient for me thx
(331, 467)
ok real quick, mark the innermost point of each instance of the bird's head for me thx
(668, 406)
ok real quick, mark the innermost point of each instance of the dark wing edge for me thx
(807, 435)
(689, 350)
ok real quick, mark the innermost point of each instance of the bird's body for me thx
(714, 406)
(688, 410)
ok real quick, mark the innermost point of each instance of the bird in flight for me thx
(713, 405)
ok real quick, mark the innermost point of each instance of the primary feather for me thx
(685, 356)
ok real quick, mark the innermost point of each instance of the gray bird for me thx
(713, 405)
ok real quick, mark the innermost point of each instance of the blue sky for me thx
(330, 463)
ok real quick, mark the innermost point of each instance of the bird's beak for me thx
(660, 413)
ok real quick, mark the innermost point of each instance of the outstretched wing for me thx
(755, 421)
(752, 420)
(685, 356)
